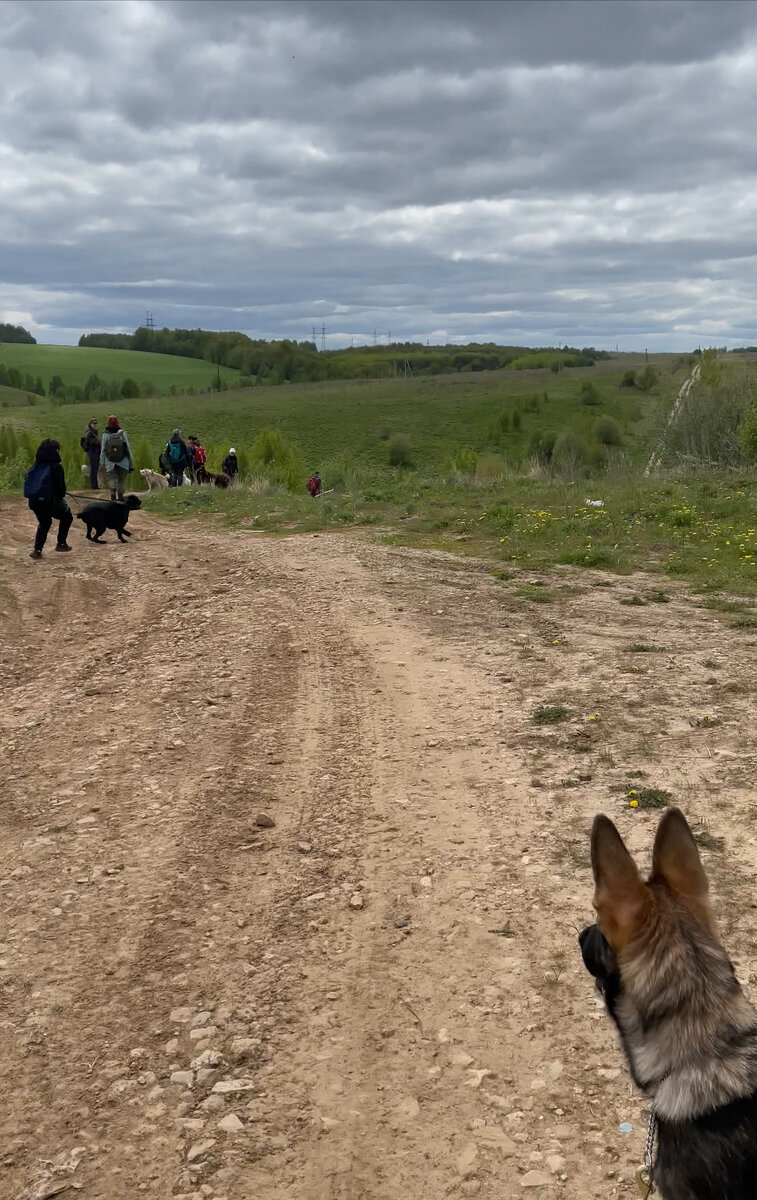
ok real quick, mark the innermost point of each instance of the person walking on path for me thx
(230, 465)
(177, 457)
(45, 489)
(90, 444)
(117, 457)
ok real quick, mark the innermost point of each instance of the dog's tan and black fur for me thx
(687, 1030)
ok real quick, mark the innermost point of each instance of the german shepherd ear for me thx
(620, 898)
(675, 859)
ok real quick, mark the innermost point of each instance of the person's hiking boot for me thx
(62, 546)
(36, 554)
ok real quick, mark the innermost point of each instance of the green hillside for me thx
(491, 412)
(75, 364)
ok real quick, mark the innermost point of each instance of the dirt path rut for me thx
(377, 996)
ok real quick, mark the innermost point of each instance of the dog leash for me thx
(645, 1175)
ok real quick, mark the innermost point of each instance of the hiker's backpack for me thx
(314, 485)
(200, 455)
(115, 447)
(175, 452)
(38, 483)
(83, 442)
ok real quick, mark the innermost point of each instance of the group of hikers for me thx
(112, 451)
(179, 456)
(45, 482)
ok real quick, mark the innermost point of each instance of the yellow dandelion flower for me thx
(633, 803)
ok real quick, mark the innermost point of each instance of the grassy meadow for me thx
(451, 461)
(438, 416)
(75, 364)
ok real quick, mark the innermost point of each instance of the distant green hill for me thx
(495, 413)
(75, 364)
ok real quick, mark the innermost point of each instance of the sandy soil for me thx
(383, 987)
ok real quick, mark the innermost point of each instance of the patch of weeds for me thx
(505, 931)
(648, 797)
(597, 557)
(604, 583)
(745, 622)
(710, 664)
(636, 774)
(706, 722)
(633, 601)
(549, 714)
(570, 783)
(502, 574)
(555, 970)
(722, 604)
(658, 597)
(536, 592)
(706, 841)
(643, 648)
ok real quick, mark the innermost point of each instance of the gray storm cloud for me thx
(527, 172)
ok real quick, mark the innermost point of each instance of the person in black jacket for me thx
(90, 444)
(55, 509)
(230, 465)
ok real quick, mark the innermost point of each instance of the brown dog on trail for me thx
(687, 1030)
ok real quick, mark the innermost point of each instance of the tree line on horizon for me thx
(260, 361)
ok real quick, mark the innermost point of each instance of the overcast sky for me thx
(533, 172)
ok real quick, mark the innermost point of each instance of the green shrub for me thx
(466, 461)
(12, 472)
(647, 378)
(399, 452)
(589, 394)
(280, 458)
(541, 445)
(749, 431)
(570, 452)
(629, 378)
(607, 432)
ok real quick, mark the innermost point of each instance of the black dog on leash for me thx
(108, 514)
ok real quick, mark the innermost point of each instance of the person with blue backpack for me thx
(178, 458)
(45, 489)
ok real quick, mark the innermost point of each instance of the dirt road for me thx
(378, 996)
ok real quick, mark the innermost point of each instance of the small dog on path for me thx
(108, 514)
(686, 1028)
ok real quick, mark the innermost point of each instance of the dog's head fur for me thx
(132, 501)
(686, 1028)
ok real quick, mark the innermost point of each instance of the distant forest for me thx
(16, 333)
(260, 361)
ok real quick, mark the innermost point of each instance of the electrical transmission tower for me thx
(323, 336)
(149, 323)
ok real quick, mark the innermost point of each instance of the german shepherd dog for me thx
(687, 1030)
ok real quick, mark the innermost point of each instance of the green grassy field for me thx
(334, 422)
(75, 364)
